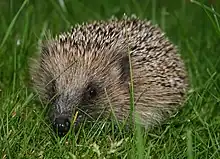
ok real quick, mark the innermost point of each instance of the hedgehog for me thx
(120, 66)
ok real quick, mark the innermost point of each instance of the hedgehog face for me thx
(88, 84)
(83, 99)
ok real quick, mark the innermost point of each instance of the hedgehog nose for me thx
(61, 126)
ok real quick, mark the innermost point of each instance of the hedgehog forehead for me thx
(79, 73)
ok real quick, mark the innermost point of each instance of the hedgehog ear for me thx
(125, 68)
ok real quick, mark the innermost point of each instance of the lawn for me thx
(192, 133)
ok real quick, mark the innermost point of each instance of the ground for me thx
(194, 132)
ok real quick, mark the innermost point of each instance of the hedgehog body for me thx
(91, 68)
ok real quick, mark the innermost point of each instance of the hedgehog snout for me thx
(61, 125)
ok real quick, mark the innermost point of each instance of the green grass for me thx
(193, 133)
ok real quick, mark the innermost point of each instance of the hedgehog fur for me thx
(90, 70)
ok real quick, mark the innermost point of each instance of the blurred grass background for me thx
(193, 133)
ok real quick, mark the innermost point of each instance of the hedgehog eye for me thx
(91, 92)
